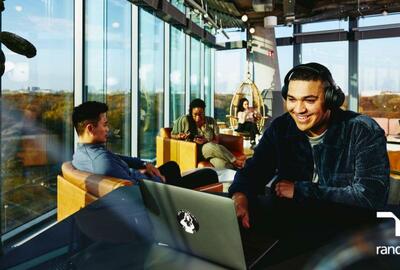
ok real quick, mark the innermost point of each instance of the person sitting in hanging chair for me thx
(247, 120)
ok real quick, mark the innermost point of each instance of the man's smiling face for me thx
(306, 104)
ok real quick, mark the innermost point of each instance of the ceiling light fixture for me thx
(252, 30)
(245, 18)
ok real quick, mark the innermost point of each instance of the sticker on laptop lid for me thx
(187, 221)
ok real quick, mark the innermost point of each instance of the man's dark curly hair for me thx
(87, 113)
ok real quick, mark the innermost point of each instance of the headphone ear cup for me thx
(340, 97)
(329, 97)
(334, 97)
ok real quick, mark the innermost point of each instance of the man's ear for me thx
(90, 128)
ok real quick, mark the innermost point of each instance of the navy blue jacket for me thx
(351, 162)
(95, 158)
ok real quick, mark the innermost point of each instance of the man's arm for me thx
(106, 164)
(133, 162)
(252, 179)
(370, 185)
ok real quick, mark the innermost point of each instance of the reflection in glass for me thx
(118, 76)
(379, 78)
(177, 75)
(194, 69)
(230, 68)
(333, 55)
(151, 56)
(179, 5)
(207, 79)
(37, 102)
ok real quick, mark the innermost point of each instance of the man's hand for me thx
(285, 189)
(153, 171)
(242, 209)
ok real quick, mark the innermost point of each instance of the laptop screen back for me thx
(197, 223)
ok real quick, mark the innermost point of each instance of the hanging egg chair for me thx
(249, 90)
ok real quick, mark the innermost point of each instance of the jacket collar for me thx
(335, 135)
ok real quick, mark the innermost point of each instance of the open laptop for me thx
(198, 223)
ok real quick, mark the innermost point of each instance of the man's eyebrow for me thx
(305, 97)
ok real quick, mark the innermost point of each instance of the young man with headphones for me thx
(328, 163)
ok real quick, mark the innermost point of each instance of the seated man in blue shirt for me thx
(91, 155)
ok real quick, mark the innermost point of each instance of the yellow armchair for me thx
(76, 189)
(185, 153)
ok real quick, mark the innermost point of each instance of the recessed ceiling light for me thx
(245, 18)
(252, 30)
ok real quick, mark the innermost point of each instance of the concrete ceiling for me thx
(296, 11)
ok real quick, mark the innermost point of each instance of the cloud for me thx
(57, 27)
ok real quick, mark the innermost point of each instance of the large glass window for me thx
(108, 66)
(207, 79)
(379, 20)
(285, 61)
(283, 31)
(37, 102)
(230, 69)
(151, 73)
(333, 55)
(177, 75)
(118, 75)
(194, 69)
(379, 77)
(95, 50)
(324, 26)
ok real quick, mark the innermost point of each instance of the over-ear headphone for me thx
(334, 96)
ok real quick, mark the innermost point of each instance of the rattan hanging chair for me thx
(249, 90)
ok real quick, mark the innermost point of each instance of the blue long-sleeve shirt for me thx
(351, 162)
(95, 158)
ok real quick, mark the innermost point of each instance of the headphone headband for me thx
(334, 96)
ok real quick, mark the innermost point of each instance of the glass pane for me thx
(379, 77)
(323, 26)
(118, 75)
(207, 79)
(379, 20)
(37, 102)
(151, 71)
(95, 45)
(234, 34)
(230, 69)
(333, 55)
(179, 5)
(194, 69)
(283, 31)
(285, 60)
(177, 75)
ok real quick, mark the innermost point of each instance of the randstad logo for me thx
(390, 215)
(389, 250)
